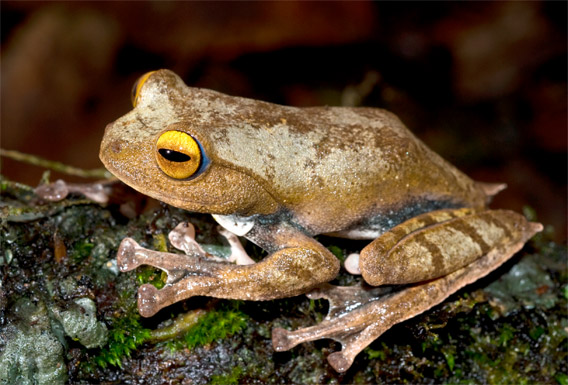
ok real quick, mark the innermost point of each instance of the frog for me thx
(280, 176)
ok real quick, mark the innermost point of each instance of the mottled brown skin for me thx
(330, 167)
(292, 173)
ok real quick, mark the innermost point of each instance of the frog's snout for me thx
(110, 142)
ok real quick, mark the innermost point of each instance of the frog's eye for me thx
(137, 86)
(179, 155)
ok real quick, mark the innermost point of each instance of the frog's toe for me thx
(148, 300)
(182, 237)
(354, 330)
(238, 253)
(152, 300)
(344, 299)
(350, 321)
(280, 340)
(351, 264)
(126, 256)
(339, 361)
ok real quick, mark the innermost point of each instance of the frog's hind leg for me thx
(356, 324)
(438, 243)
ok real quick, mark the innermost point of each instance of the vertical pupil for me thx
(173, 156)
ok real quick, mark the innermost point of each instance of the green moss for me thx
(507, 334)
(81, 251)
(212, 326)
(337, 251)
(215, 325)
(230, 378)
(536, 332)
(561, 378)
(151, 275)
(505, 355)
(160, 242)
(125, 335)
(449, 354)
(380, 355)
(181, 324)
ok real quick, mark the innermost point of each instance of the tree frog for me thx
(279, 176)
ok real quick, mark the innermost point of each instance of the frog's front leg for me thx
(363, 317)
(297, 264)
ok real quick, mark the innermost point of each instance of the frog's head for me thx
(162, 148)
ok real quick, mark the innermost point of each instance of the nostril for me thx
(116, 146)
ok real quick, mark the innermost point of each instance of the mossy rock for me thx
(509, 327)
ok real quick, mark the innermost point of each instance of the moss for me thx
(212, 326)
(81, 250)
(515, 349)
(160, 242)
(125, 336)
(181, 324)
(373, 354)
(337, 251)
(151, 275)
(561, 378)
(230, 378)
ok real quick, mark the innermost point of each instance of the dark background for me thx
(483, 83)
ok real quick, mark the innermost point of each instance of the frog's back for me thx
(341, 165)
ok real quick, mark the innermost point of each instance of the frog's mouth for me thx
(149, 183)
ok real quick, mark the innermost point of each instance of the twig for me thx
(56, 166)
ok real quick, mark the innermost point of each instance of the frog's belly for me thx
(357, 233)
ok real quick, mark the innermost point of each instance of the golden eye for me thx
(179, 155)
(137, 86)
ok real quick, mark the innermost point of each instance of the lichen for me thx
(81, 324)
(32, 353)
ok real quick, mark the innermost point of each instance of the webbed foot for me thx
(187, 275)
(356, 322)
(354, 319)
(301, 264)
